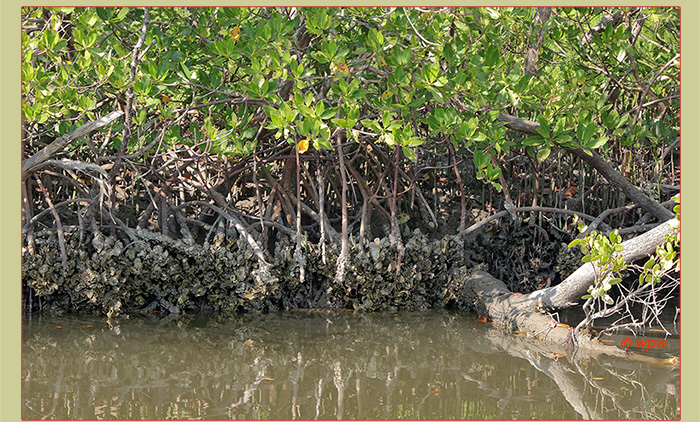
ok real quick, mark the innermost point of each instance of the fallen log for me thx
(527, 314)
(514, 313)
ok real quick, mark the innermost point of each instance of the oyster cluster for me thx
(110, 276)
(378, 280)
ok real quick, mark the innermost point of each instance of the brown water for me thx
(325, 365)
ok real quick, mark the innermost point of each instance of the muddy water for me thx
(325, 365)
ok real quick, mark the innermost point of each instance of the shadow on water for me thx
(325, 365)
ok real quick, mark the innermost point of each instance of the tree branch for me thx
(596, 161)
(570, 291)
(32, 164)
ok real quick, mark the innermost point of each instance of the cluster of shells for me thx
(108, 275)
(111, 276)
(378, 280)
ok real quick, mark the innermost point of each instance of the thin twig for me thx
(416, 31)
(500, 214)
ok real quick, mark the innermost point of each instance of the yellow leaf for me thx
(165, 99)
(236, 33)
(302, 146)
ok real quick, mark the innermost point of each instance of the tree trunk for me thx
(491, 298)
(570, 291)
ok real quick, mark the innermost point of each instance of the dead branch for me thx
(32, 164)
(570, 291)
(482, 223)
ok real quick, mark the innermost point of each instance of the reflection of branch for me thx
(571, 388)
(563, 373)
(57, 390)
(233, 372)
(593, 382)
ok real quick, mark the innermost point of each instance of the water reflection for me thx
(335, 365)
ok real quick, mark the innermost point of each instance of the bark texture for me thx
(513, 312)
(570, 291)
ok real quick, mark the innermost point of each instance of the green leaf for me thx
(320, 144)
(415, 141)
(141, 116)
(340, 123)
(375, 39)
(371, 125)
(559, 127)
(60, 45)
(320, 108)
(566, 141)
(544, 133)
(481, 159)
(597, 143)
(544, 124)
(429, 73)
(587, 133)
(533, 141)
(327, 114)
(104, 13)
(492, 56)
(409, 153)
(386, 120)
(543, 153)
(122, 13)
(622, 120)
(388, 139)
